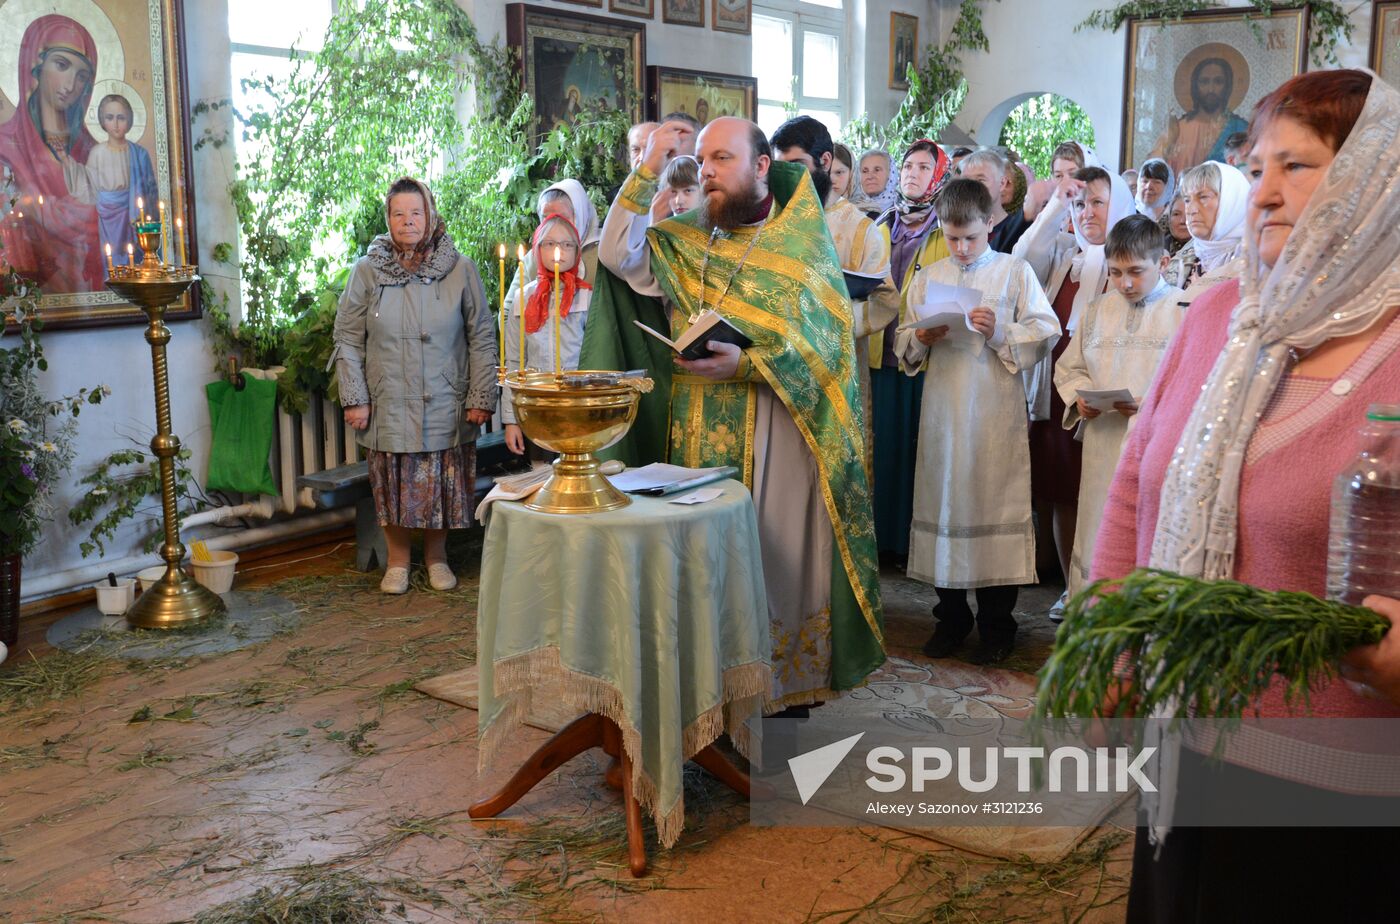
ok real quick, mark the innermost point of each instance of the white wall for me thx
(701, 49)
(1036, 50)
(120, 356)
(870, 72)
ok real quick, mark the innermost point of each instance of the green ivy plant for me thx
(126, 485)
(937, 91)
(1328, 22)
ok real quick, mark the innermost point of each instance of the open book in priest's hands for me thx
(708, 326)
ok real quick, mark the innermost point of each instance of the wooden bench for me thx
(349, 484)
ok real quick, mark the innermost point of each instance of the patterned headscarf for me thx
(433, 227)
(884, 201)
(1156, 207)
(1339, 272)
(913, 210)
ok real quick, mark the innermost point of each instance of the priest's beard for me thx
(734, 208)
(821, 179)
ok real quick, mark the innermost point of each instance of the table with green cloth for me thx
(654, 616)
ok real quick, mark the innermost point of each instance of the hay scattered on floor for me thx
(322, 898)
(32, 681)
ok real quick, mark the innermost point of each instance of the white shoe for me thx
(440, 576)
(395, 581)
(1057, 612)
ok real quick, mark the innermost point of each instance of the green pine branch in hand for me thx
(1210, 647)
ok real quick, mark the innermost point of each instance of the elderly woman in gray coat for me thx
(415, 355)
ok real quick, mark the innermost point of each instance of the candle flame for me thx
(109, 249)
(520, 251)
(130, 250)
(556, 253)
(502, 252)
(140, 203)
(41, 198)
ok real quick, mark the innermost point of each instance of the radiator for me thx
(314, 441)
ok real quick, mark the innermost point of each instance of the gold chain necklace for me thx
(705, 267)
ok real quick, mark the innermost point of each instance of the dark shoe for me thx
(944, 641)
(992, 651)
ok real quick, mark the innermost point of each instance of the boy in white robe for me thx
(972, 488)
(1120, 342)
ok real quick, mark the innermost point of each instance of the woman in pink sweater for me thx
(1228, 474)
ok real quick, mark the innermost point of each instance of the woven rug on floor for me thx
(908, 694)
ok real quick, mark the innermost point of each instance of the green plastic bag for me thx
(242, 422)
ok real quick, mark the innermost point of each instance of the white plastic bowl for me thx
(217, 575)
(148, 576)
(115, 601)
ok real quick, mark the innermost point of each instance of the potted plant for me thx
(36, 439)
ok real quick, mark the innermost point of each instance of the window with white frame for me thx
(264, 36)
(800, 60)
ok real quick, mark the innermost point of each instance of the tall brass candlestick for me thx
(176, 600)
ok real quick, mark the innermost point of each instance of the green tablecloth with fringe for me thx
(654, 615)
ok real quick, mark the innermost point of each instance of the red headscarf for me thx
(541, 304)
(62, 234)
(913, 209)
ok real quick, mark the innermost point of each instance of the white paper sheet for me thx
(1103, 399)
(699, 497)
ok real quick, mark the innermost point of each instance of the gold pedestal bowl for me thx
(576, 414)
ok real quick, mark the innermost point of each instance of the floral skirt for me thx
(424, 490)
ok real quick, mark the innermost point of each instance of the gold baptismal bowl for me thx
(576, 415)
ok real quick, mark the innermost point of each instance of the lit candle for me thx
(180, 239)
(130, 254)
(557, 308)
(41, 200)
(501, 272)
(110, 267)
(164, 235)
(140, 209)
(520, 267)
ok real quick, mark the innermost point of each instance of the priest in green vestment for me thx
(786, 411)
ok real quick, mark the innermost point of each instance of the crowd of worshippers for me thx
(974, 447)
(1234, 323)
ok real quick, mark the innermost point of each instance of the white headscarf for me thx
(1338, 273)
(885, 199)
(1089, 268)
(1153, 209)
(585, 215)
(1223, 245)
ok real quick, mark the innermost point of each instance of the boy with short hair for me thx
(972, 491)
(1120, 341)
(121, 173)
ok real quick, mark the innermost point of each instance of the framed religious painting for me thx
(683, 12)
(641, 8)
(904, 43)
(701, 94)
(93, 116)
(1385, 41)
(732, 16)
(1191, 83)
(572, 63)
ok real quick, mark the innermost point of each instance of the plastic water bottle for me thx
(1363, 555)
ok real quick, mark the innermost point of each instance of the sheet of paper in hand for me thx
(947, 306)
(1103, 399)
(709, 326)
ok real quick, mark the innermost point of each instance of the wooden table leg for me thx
(612, 746)
(721, 769)
(570, 741)
(636, 846)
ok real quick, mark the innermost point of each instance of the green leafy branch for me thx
(125, 486)
(1328, 22)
